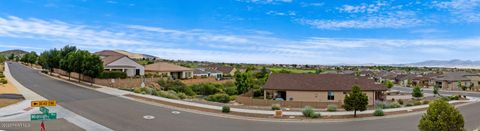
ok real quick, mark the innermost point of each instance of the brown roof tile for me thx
(109, 59)
(165, 67)
(320, 82)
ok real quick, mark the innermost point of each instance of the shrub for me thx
(379, 104)
(1, 75)
(441, 116)
(454, 97)
(445, 98)
(417, 92)
(225, 109)
(232, 90)
(400, 101)
(426, 102)
(3, 81)
(182, 95)
(332, 108)
(207, 88)
(394, 105)
(417, 103)
(149, 90)
(112, 74)
(309, 112)
(409, 104)
(378, 112)
(224, 98)
(137, 90)
(276, 107)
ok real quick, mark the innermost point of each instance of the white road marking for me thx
(175, 112)
(148, 117)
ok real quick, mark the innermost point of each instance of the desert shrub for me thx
(225, 109)
(309, 112)
(426, 102)
(276, 107)
(445, 98)
(112, 74)
(409, 104)
(454, 97)
(149, 90)
(168, 94)
(207, 89)
(400, 101)
(182, 95)
(231, 90)
(137, 90)
(394, 105)
(417, 103)
(3, 81)
(224, 98)
(332, 108)
(379, 104)
(378, 112)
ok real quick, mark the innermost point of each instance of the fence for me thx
(291, 104)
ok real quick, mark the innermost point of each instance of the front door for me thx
(137, 72)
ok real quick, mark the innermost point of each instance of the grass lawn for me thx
(278, 69)
(6, 102)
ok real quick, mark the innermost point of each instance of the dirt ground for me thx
(8, 89)
(6, 102)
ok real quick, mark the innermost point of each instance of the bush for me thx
(207, 89)
(137, 90)
(225, 109)
(232, 90)
(379, 104)
(149, 90)
(445, 98)
(224, 98)
(441, 116)
(3, 81)
(400, 101)
(309, 112)
(409, 104)
(454, 97)
(112, 74)
(276, 107)
(417, 92)
(182, 95)
(1, 75)
(394, 105)
(332, 108)
(426, 102)
(417, 103)
(168, 94)
(378, 112)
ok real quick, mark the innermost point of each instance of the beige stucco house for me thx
(170, 70)
(113, 61)
(329, 88)
(452, 81)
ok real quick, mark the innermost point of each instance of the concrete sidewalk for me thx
(122, 93)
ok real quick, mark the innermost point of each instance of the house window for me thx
(330, 95)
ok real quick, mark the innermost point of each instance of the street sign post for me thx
(47, 116)
(44, 103)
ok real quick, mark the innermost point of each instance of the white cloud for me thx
(427, 31)
(363, 8)
(289, 13)
(462, 10)
(400, 19)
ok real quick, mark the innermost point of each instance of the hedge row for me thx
(112, 74)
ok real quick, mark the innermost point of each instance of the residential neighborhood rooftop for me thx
(320, 82)
(165, 67)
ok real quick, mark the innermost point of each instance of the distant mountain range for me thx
(455, 63)
(15, 52)
(136, 55)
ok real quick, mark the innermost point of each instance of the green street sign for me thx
(48, 116)
(44, 110)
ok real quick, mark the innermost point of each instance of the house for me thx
(171, 70)
(123, 64)
(207, 72)
(226, 70)
(457, 80)
(330, 88)
(113, 61)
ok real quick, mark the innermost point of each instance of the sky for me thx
(251, 31)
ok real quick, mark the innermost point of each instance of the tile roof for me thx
(454, 76)
(320, 82)
(109, 59)
(205, 71)
(165, 67)
(225, 69)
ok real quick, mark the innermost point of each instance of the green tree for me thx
(355, 100)
(244, 82)
(11, 56)
(66, 50)
(435, 91)
(389, 84)
(30, 58)
(417, 92)
(50, 59)
(66, 64)
(92, 67)
(2, 58)
(441, 116)
(78, 62)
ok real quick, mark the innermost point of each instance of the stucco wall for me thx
(321, 96)
(127, 62)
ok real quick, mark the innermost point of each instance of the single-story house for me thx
(123, 64)
(320, 87)
(207, 72)
(170, 70)
(453, 80)
(226, 70)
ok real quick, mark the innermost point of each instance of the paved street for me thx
(407, 89)
(123, 114)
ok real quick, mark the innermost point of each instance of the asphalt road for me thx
(123, 114)
(407, 89)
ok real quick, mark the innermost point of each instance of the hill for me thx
(15, 52)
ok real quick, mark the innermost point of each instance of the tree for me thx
(441, 116)
(389, 84)
(30, 58)
(50, 59)
(11, 56)
(92, 67)
(417, 92)
(78, 60)
(244, 82)
(355, 100)
(67, 50)
(435, 91)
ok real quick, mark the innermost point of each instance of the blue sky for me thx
(251, 31)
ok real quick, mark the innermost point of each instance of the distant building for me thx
(113, 61)
(452, 80)
(206, 72)
(171, 70)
